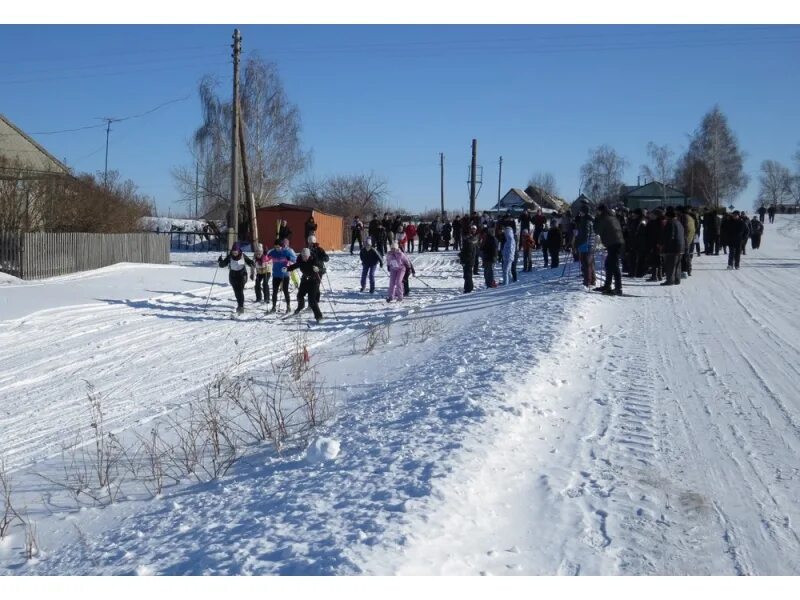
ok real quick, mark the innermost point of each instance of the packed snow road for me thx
(673, 446)
(534, 429)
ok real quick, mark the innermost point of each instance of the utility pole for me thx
(441, 165)
(472, 175)
(105, 172)
(248, 191)
(500, 180)
(233, 221)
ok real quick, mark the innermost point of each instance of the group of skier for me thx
(279, 263)
(659, 243)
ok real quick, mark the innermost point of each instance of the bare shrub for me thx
(421, 330)
(156, 453)
(377, 334)
(31, 548)
(220, 434)
(7, 513)
(186, 455)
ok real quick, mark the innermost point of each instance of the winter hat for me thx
(312, 239)
(305, 253)
(368, 242)
(395, 246)
(258, 249)
(236, 247)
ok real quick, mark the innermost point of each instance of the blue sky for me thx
(388, 99)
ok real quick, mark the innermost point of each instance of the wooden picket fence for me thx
(39, 255)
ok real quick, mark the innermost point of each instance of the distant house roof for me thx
(545, 199)
(28, 158)
(653, 190)
(516, 199)
(580, 200)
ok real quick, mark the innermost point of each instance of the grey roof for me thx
(516, 197)
(653, 189)
(18, 147)
(545, 199)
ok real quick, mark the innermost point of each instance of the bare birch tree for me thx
(661, 167)
(715, 145)
(272, 133)
(776, 184)
(544, 181)
(602, 174)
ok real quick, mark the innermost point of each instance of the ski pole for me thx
(423, 283)
(330, 288)
(212, 287)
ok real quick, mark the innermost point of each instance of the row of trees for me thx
(712, 168)
(58, 203)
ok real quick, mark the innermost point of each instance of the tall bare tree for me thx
(545, 181)
(601, 174)
(345, 195)
(715, 146)
(794, 185)
(661, 167)
(776, 184)
(272, 133)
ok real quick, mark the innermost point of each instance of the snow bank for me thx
(6, 279)
(323, 449)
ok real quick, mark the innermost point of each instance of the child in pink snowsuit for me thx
(397, 263)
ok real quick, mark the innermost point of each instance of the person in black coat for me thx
(309, 283)
(735, 232)
(673, 246)
(468, 257)
(756, 230)
(554, 240)
(284, 232)
(489, 256)
(237, 263)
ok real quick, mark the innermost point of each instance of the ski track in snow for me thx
(542, 431)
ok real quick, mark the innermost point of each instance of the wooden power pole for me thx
(500, 180)
(248, 191)
(472, 176)
(441, 166)
(233, 220)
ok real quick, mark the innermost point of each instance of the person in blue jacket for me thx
(281, 258)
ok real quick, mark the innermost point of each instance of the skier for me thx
(369, 260)
(410, 271)
(237, 263)
(281, 258)
(263, 270)
(397, 263)
(320, 256)
(309, 283)
(508, 251)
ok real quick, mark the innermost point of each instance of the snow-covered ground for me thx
(532, 429)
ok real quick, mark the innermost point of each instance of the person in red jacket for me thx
(526, 243)
(411, 234)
